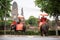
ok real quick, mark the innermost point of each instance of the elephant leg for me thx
(42, 32)
(46, 33)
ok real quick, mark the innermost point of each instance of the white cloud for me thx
(29, 8)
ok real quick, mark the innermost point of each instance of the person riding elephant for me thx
(43, 26)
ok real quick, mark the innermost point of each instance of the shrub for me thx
(50, 33)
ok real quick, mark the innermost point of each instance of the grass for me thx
(8, 32)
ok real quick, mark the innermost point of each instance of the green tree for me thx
(4, 11)
(4, 7)
(32, 21)
(52, 7)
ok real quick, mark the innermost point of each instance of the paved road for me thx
(9, 37)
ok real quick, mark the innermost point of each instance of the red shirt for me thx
(43, 19)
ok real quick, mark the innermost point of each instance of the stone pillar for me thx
(14, 13)
(22, 13)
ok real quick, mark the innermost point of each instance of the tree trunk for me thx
(2, 23)
(56, 20)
